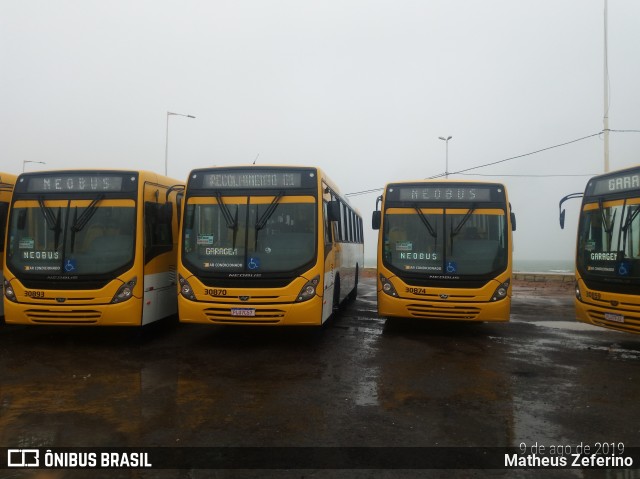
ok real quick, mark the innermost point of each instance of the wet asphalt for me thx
(359, 381)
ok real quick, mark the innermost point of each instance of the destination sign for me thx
(624, 181)
(252, 179)
(444, 193)
(73, 183)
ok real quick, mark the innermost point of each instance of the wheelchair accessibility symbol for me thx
(70, 265)
(254, 263)
(452, 267)
(623, 268)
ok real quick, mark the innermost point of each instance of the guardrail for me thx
(544, 277)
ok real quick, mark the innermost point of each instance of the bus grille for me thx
(631, 321)
(48, 316)
(262, 316)
(434, 311)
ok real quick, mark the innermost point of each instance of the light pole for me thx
(605, 119)
(446, 158)
(166, 146)
(24, 162)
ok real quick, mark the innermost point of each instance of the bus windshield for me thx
(71, 237)
(257, 234)
(445, 241)
(609, 239)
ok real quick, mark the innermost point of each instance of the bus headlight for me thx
(9, 293)
(501, 291)
(308, 291)
(185, 289)
(387, 287)
(578, 294)
(125, 292)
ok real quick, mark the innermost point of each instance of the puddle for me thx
(566, 325)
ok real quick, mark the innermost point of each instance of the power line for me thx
(529, 176)
(529, 154)
(365, 192)
(461, 172)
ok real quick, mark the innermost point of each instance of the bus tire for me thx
(336, 296)
(354, 292)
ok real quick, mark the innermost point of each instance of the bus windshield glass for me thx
(71, 237)
(609, 239)
(256, 234)
(445, 241)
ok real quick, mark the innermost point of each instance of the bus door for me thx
(332, 251)
(160, 254)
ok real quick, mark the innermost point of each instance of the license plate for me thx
(618, 318)
(243, 312)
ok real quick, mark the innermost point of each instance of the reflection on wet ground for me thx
(359, 381)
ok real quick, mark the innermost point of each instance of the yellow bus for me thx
(266, 245)
(6, 188)
(444, 250)
(608, 251)
(92, 247)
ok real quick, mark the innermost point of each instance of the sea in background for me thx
(543, 266)
(522, 265)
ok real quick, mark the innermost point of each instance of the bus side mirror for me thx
(562, 212)
(376, 218)
(333, 210)
(513, 221)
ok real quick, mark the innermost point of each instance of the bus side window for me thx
(328, 239)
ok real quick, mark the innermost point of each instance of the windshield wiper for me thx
(87, 214)
(53, 221)
(631, 216)
(463, 221)
(80, 222)
(608, 227)
(232, 223)
(425, 221)
(262, 221)
(465, 218)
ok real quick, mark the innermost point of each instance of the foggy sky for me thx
(360, 88)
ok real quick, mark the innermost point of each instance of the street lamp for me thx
(446, 165)
(24, 162)
(166, 146)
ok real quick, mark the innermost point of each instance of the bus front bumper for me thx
(608, 316)
(307, 313)
(494, 311)
(128, 313)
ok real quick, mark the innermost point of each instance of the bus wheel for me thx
(336, 296)
(354, 292)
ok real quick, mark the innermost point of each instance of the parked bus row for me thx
(282, 246)
(254, 245)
